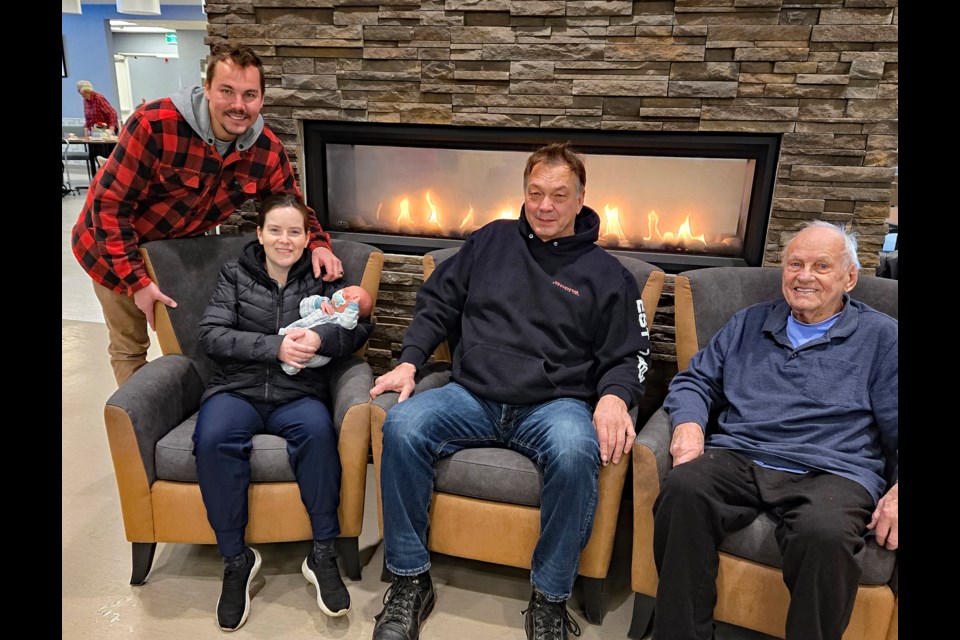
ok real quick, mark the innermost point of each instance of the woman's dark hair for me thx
(286, 199)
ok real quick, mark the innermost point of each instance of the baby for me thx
(344, 308)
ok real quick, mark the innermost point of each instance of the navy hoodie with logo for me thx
(535, 320)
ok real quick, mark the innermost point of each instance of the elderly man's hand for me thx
(885, 519)
(687, 442)
(615, 429)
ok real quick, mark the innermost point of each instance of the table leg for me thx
(91, 161)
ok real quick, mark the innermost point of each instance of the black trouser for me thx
(821, 521)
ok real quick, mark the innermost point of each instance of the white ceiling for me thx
(158, 21)
(139, 25)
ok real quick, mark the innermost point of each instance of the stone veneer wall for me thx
(824, 73)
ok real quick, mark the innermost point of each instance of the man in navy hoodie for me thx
(552, 351)
(806, 394)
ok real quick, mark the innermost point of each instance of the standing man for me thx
(807, 394)
(182, 166)
(96, 109)
(552, 352)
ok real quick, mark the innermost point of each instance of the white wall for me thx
(159, 75)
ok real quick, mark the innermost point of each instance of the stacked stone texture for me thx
(824, 73)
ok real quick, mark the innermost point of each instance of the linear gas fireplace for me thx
(676, 200)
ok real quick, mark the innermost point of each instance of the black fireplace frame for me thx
(763, 148)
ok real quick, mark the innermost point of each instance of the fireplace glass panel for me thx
(650, 203)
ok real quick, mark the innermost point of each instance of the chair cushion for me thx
(500, 475)
(757, 542)
(175, 462)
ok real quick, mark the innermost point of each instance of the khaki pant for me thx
(127, 332)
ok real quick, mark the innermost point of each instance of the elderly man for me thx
(183, 165)
(96, 109)
(552, 352)
(806, 394)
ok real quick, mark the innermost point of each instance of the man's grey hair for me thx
(849, 240)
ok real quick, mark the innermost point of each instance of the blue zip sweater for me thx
(830, 405)
(531, 321)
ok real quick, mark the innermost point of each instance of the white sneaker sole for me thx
(246, 606)
(312, 579)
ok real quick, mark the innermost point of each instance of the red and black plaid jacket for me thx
(98, 109)
(164, 181)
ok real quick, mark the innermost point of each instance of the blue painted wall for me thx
(88, 50)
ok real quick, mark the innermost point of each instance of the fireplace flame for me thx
(684, 233)
(468, 220)
(434, 219)
(416, 215)
(404, 218)
(653, 227)
(683, 236)
(613, 226)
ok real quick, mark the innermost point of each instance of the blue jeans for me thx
(558, 436)
(223, 441)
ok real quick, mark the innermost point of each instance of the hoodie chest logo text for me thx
(557, 283)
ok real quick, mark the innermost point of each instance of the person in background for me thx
(182, 166)
(793, 407)
(96, 109)
(249, 394)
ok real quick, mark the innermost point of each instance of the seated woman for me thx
(256, 296)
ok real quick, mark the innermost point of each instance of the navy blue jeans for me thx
(558, 436)
(222, 443)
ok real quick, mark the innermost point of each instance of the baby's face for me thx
(344, 297)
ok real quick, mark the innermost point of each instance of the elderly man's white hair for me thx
(849, 240)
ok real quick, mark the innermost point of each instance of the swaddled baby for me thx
(344, 308)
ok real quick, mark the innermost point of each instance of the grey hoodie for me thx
(193, 105)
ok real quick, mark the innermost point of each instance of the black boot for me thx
(407, 603)
(545, 620)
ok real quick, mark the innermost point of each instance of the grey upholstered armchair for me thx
(150, 419)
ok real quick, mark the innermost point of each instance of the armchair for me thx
(486, 496)
(750, 588)
(151, 418)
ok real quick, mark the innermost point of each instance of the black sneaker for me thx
(234, 603)
(545, 620)
(332, 594)
(407, 603)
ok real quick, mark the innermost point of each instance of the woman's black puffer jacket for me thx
(239, 330)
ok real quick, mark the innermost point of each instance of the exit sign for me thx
(171, 38)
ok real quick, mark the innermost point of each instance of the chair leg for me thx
(592, 599)
(349, 551)
(385, 574)
(142, 559)
(643, 612)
